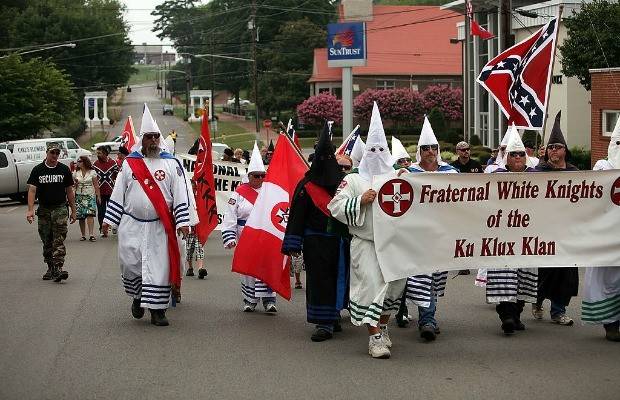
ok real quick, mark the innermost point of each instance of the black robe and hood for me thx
(323, 240)
(557, 284)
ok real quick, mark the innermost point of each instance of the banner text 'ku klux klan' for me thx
(425, 222)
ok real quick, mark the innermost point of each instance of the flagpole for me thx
(555, 49)
(297, 149)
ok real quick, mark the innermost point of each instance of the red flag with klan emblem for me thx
(474, 28)
(128, 137)
(518, 79)
(264, 228)
(477, 30)
(205, 183)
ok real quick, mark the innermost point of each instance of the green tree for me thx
(34, 96)
(284, 84)
(221, 27)
(592, 40)
(103, 56)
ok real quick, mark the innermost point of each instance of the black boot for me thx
(612, 331)
(158, 318)
(136, 310)
(48, 275)
(190, 272)
(321, 335)
(508, 326)
(202, 273)
(337, 326)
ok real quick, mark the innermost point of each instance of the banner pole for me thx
(555, 49)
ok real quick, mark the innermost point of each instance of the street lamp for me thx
(70, 45)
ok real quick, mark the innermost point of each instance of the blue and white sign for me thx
(346, 44)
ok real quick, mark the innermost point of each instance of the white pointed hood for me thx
(377, 159)
(613, 151)
(358, 152)
(256, 161)
(514, 143)
(398, 150)
(149, 125)
(427, 137)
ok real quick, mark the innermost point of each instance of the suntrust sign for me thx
(346, 44)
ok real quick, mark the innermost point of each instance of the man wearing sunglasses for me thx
(601, 288)
(52, 183)
(556, 284)
(511, 288)
(423, 290)
(150, 206)
(238, 209)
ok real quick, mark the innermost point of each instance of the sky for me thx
(140, 20)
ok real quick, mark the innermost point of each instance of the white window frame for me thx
(385, 84)
(604, 117)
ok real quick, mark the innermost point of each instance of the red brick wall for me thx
(604, 97)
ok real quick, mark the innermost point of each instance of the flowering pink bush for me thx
(316, 109)
(398, 105)
(448, 100)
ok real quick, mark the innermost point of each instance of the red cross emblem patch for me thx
(395, 197)
(159, 175)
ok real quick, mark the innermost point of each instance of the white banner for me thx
(227, 177)
(425, 222)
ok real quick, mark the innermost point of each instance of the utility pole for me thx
(212, 80)
(188, 72)
(252, 26)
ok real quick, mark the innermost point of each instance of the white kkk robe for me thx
(142, 240)
(237, 212)
(601, 289)
(370, 296)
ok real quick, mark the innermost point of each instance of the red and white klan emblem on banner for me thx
(615, 192)
(395, 197)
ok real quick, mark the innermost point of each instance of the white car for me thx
(242, 102)
(114, 144)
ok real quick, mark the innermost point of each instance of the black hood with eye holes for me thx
(325, 170)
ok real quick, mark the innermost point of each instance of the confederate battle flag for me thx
(205, 184)
(258, 251)
(519, 78)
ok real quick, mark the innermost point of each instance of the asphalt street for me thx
(77, 340)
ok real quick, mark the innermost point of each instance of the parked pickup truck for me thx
(14, 175)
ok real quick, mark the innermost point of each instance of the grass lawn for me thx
(146, 73)
(230, 133)
(97, 137)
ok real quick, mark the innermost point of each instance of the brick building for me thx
(605, 109)
(408, 47)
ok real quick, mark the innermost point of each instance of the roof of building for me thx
(403, 40)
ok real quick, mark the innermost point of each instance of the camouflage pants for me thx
(53, 231)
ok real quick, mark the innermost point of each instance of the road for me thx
(77, 340)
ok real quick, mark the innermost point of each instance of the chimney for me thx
(357, 10)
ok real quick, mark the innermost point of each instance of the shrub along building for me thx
(407, 47)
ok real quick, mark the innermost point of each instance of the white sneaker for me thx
(377, 348)
(562, 319)
(249, 307)
(385, 335)
(270, 308)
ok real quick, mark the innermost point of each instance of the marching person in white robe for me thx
(511, 288)
(371, 299)
(601, 295)
(238, 210)
(149, 206)
(423, 290)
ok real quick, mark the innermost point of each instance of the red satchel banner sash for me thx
(247, 192)
(319, 197)
(153, 192)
